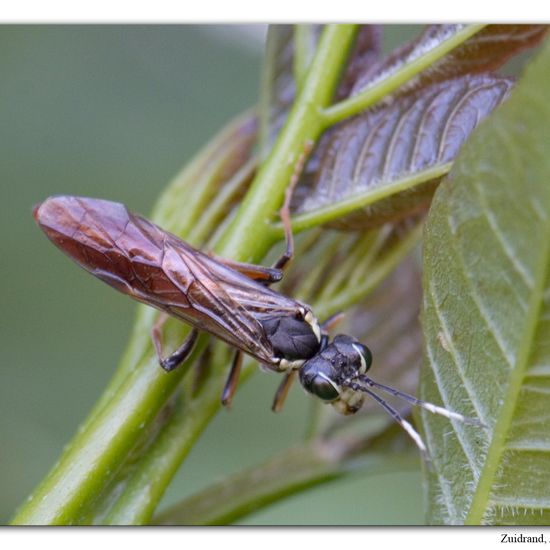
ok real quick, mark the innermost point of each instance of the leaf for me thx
(383, 161)
(296, 469)
(396, 143)
(202, 183)
(486, 51)
(486, 318)
(277, 83)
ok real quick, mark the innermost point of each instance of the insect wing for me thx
(141, 260)
(210, 289)
(112, 244)
(266, 324)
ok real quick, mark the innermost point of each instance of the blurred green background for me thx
(114, 112)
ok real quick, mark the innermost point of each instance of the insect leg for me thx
(285, 210)
(289, 237)
(266, 275)
(282, 391)
(175, 359)
(232, 379)
(328, 324)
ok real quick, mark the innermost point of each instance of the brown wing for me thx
(138, 258)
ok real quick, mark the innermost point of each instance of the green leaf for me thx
(486, 318)
(295, 469)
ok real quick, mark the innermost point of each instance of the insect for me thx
(230, 300)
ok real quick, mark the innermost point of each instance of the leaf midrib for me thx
(479, 505)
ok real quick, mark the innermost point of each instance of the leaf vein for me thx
(507, 354)
(457, 360)
(503, 243)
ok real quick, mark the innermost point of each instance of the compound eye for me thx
(366, 355)
(323, 388)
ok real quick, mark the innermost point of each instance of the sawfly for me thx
(230, 300)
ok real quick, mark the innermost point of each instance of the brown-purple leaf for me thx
(484, 52)
(414, 133)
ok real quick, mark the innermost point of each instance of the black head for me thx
(337, 375)
(343, 359)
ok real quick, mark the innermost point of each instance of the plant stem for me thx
(302, 50)
(303, 126)
(251, 225)
(93, 457)
(158, 465)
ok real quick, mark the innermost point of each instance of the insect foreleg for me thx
(180, 355)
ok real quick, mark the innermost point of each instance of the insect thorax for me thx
(295, 337)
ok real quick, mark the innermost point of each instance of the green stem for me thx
(358, 103)
(93, 457)
(250, 235)
(302, 53)
(146, 486)
(331, 212)
(247, 239)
